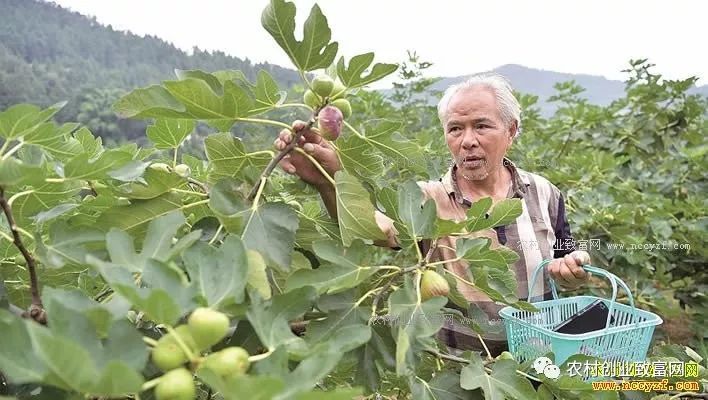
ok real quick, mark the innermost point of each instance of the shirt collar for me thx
(519, 181)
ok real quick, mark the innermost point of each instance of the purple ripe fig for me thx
(329, 122)
(433, 285)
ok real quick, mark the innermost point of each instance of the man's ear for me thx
(512, 131)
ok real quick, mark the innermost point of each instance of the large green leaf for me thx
(270, 229)
(237, 387)
(157, 243)
(268, 95)
(17, 363)
(419, 218)
(477, 215)
(67, 245)
(477, 253)
(354, 210)
(169, 133)
(165, 302)
(149, 102)
(134, 217)
(502, 383)
(315, 224)
(270, 318)
(503, 213)
(384, 136)
(311, 370)
(84, 168)
(345, 272)
(444, 386)
(352, 76)
(151, 184)
(43, 197)
(415, 323)
(358, 157)
(70, 354)
(16, 172)
(315, 50)
(58, 140)
(22, 119)
(227, 156)
(201, 102)
(219, 274)
(219, 99)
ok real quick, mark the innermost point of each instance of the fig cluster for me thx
(182, 170)
(328, 94)
(205, 328)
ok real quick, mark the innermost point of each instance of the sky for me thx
(596, 37)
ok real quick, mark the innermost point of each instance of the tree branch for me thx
(36, 310)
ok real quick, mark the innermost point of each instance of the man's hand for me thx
(568, 272)
(297, 164)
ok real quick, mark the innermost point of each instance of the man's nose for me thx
(469, 138)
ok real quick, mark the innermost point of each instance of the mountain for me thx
(598, 90)
(49, 54)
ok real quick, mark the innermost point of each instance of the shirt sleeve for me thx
(565, 244)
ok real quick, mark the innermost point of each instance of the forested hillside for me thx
(50, 54)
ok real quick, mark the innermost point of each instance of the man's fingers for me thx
(567, 275)
(553, 269)
(312, 137)
(287, 166)
(578, 272)
(298, 125)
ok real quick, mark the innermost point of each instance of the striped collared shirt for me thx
(540, 232)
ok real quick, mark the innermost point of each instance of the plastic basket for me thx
(530, 334)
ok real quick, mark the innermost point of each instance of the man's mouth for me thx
(473, 161)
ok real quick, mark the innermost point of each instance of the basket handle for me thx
(614, 281)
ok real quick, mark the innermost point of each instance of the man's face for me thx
(475, 132)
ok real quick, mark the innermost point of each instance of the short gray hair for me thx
(509, 107)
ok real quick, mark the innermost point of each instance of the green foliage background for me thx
(114, 237)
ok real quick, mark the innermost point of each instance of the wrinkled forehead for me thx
(477, 101)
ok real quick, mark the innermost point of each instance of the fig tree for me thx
(329, 122)
(177, 384)
(311, 99)
(344, 106)
(208, 326)
(322, 85)
(432, 285)
(160, 167)
(227, 362)
(183, 170)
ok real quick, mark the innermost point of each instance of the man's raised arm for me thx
(321, 150)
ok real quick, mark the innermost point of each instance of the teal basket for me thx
(626, 339)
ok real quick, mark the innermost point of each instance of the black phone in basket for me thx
(591, 318)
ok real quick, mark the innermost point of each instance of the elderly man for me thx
(480, 119)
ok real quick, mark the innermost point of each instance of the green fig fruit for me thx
(344, 106)
(322, 85)
(311, 99)
(183, 170)
(227, 362)
(177, 384)
(433, 285)
(207, 326)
